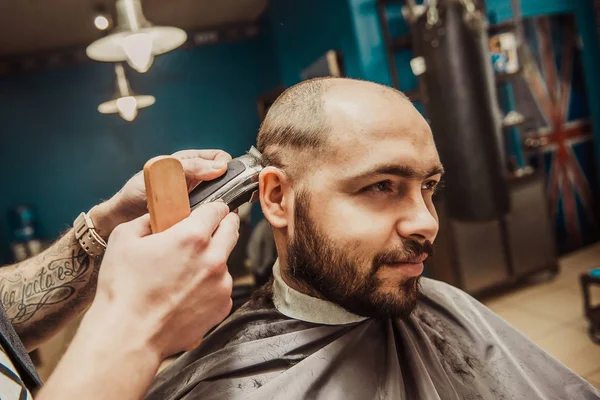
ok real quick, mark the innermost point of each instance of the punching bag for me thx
(461, 105)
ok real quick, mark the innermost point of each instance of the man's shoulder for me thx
(442, 301)
(441, 295)
(434, 288)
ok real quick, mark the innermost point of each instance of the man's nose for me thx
(417, 220)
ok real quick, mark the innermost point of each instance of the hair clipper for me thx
(237, 186)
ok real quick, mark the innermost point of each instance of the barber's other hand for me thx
(166, 290)
(130, 202)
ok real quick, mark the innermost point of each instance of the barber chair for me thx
(592, 312)
(240, 295)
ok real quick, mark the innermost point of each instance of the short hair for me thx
(297, 122)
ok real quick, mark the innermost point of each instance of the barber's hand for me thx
(130, 202)
(167, 289)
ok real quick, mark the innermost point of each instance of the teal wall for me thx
(365, 22)
(304, 30)
(62, 156)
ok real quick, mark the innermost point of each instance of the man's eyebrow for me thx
(403, 171)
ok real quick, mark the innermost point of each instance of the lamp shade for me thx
(125, 102)
(134, 39)
(111, 106)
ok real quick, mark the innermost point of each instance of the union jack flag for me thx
(549, 79)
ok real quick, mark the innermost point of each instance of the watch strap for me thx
(87, 236)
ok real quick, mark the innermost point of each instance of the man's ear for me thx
(275, 196)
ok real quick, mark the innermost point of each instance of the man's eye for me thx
(430, 185)
(384, 186)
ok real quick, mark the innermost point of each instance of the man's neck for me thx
(302, 287)
(305, 304)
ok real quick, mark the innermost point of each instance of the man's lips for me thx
(410, 267)
(418, 259)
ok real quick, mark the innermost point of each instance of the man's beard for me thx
(318, 263)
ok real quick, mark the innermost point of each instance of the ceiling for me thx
(29, 26)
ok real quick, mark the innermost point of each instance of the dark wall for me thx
(60, 155)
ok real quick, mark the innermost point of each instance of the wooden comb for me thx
(167, 192)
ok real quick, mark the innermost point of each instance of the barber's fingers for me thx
(215, 155)
(202, 165)
(136, 228)
(198, 228)
(198, 169)
(226, 236)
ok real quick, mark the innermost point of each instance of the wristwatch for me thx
(87, 236)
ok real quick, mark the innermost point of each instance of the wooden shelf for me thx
(527, 175)
(506, 78)
(413, 95)
(501, 27)
(385, 2)
(514, 125)
(401, 43)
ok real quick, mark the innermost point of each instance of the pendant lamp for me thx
(134, 39)
(125, 102)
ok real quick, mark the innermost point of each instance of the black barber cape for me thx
(17, 372)
(300, 347)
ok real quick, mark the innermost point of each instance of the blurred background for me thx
(92, 89)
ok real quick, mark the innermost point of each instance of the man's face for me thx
(364, 219)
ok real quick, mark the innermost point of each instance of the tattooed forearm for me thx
(53, 284)
(42, 294)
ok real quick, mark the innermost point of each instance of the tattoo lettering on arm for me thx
(42, 294)
(53, 284)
